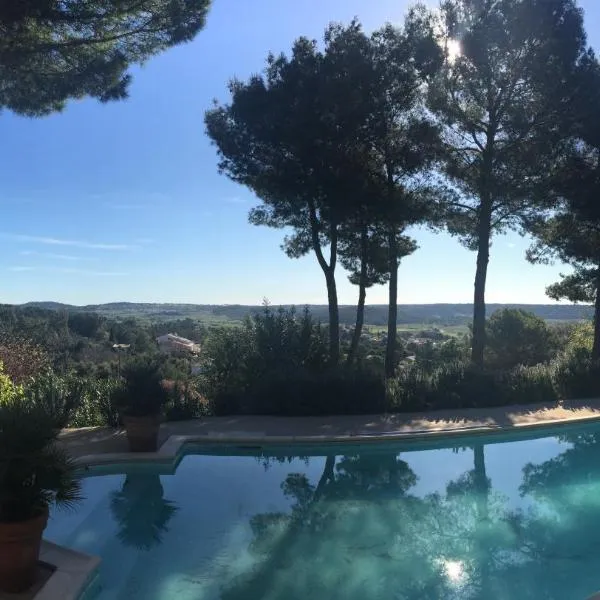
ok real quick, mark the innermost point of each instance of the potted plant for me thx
(35, 473)
(141, 399)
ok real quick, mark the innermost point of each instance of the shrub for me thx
(577, 375)
(8, 389)
(57, 396)
(96, 406)
(22, 358)
(529, 385)
(275, 354)
(303, 392)
(518, 337)
(580, 336)
(410, 390)
(185, 401)
(76, 401)
(462, 385)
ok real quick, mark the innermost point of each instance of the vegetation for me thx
(34, 472)
(516, 337)
(141, 392)
(51, 52)
(475, 118)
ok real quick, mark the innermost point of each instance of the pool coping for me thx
(173, 448)
(73, 572)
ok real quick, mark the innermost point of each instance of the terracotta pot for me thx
(142, 433)
(19, 552)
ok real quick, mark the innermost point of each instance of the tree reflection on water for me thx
(360, 531)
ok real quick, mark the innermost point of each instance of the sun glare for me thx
(453, 49)
(454, 570)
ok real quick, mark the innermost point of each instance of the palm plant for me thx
(35, 472)
(142, 392)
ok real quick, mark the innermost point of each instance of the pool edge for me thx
(172, 450)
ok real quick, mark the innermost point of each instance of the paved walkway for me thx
(102, 440)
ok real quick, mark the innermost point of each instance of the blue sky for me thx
(123, 202)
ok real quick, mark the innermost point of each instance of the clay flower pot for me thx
(19, 552)
(142, 432)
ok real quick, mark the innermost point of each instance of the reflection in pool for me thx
(480, 520)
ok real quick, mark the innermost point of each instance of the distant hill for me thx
(375, 314)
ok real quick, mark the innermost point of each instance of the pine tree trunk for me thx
(329, 272)
(596, 345)
(334, 318)
(483, 257)
(362, 295)
(390, 350)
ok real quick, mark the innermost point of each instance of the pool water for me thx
(474, 520)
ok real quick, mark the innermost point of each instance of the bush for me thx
(577, 375)
(276, 354)
(185, 401)
(303, 392)
(22, 358)
(462, 385)
(530, 385)
(57, 396)
(96, 406)
(77, 401)
(517, 337)
(8, 389)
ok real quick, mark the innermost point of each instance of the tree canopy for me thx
(53, 51)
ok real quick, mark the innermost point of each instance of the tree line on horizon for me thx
(475, 119)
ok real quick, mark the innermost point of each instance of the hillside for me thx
(375, 314)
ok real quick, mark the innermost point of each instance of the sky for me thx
(123, 201)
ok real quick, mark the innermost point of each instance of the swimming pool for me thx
(469, 519)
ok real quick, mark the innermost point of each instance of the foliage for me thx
(34, 471)
(141, 392)
(430, 355)
(531, 385)
(53, 51)
(463, 385)
(22, 358)
(270, 341)
(277, 364)
(75, 401)
(96, 405)
(581, 336)
(572, 235)
(302, 392)
(8, 389)
(517, 337)
(185, 401)
(58, 396)
(577, 374)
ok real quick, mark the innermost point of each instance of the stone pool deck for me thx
(105, 440)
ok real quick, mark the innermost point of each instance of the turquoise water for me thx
(513, 520)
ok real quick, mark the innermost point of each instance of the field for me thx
(454, 330)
